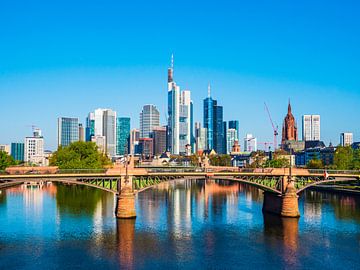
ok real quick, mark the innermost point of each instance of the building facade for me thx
(68, 130)
(134, 141)
(34, 149)
(90, 127)
(17, 151)
(311, 127)
(149, 118)
(81, 133)
(234, 124)
(231, 138)
(346, 139)
(5, 148)
(200, 137)
(250, 143)
(122, 135)
(159, 139)
(146, 148)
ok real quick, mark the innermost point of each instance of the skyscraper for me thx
(311, 127)
(90, 127)
(289, 131)
(179, 115)
(234, 124)
(149, 118)
(231, 138)
(134, 141)
(81, 133)
(200, 137)
(346, 139)
(159, 139)
(213, 122)
(122, 135)
(68, 130)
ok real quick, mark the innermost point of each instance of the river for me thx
(181, 224)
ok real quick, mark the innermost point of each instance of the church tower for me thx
(289, 131)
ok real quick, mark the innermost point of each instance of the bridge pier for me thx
(125, 200)
(285, 205)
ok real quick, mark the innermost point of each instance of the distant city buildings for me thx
(34, 149)
(122, 136)
(159, 139)
(5, 148)
(134, 141)
(250, 143)
(100, 142)
(234, 124)
(346, 139)
(68, 130)
(232, 137)
(90, 127)
(81, 133)
(146, 148)
(311, 127)
(149, 118)
(200, 138)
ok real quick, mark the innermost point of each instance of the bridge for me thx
(282, 187)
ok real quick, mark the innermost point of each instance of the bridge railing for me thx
(322, 171)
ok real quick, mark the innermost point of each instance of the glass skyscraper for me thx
(17, 151)
(234, 124)
(122, 135)
(209, 120)
(149, 118)
(68, 130)
(90, 127)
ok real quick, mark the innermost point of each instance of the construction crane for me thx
(275, 129)
(266, 145)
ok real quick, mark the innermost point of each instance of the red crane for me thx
(275, 129)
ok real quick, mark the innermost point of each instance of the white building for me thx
(250, 143)
(346, 139)
(149, 119)
(5, 148)
(311, 127)
(105, 125)
(34, 149)
(200, 137)
(100, 142)
(231, 137)
(179, 115)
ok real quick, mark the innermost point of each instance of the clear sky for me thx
(67, 58)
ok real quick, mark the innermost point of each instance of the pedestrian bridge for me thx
(281, 186)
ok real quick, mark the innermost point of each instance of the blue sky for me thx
(66, 58)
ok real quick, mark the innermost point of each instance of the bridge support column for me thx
(285, 205)
(125, 201)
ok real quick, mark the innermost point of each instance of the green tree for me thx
(356, 160)
(79, 155)
(277, 163)
(315, 164)
(220, 160)
(343, 158)
(6, 160)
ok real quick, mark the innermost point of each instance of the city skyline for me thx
(247, 57)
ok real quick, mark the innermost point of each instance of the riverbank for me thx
(337, 189)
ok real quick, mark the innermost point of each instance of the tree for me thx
(220, 160)
(277, 163)
(79, 155)
(356, 160)
(6, 160)
(315, 164)
(343, 158)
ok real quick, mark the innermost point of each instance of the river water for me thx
(182, 224)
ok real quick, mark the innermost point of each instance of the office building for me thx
(149, 118)
(122, 136)
(250, 143)
(234, 124)
(100, 142)
(90, 127)
(134, 141)
(81, 133)
(231, 138)
(213, 122)
(146, 148)
(159, 139)
(34, 149)
(68, 131)
(346, 139)
(179, 116)
(311, 127)
(200, 137)
(17, 151)
(5, 148)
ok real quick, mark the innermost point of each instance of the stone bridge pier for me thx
(284, 204)
(125, 199)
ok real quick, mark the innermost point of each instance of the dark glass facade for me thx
(17, 151)
(234, 124)
(122, 135)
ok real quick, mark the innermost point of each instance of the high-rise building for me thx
(346, 139)
(100, 142)
(159, 139)
(200, 137)
(146, 147)
(234, 124)
(68, 130)
(311, 127)
(122, 135)
(34, 149)
(149, 118)
(134, 141)
(81, 133)
(250, 143)
(102, 123)
(179, 115)
(289, 131)
(213, 122)
(17, 151)
(90, 127)
(231, 138)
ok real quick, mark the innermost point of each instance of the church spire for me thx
(289, 107)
